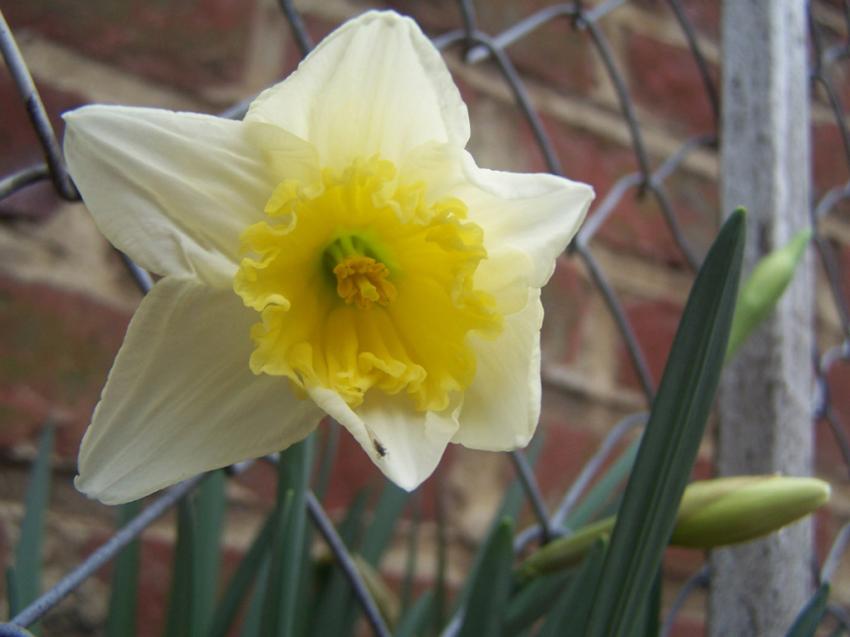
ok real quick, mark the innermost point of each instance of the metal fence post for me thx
(766, 397)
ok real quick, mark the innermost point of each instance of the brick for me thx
(584, 156)
(829, 158)
(566, 301)
(555, 54)
(567, 447)
(637, 225)
(56, 349)
(189, 44)
(681, 563)
(703, 16)
(665, 82)
(654, 323)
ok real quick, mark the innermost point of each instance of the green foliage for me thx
(572, 613)
(209, 519)
(490, 585)
(121, 620)
(23, 580)
(671, 439)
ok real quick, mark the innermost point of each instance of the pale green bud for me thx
(764, 287)
(712, 513)
(741, 508)
(567, 551)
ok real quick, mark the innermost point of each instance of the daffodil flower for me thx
(336, 252)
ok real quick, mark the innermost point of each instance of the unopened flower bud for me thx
(712, 513)
(741, 508)
(764, 287)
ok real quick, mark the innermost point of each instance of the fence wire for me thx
(829, 59)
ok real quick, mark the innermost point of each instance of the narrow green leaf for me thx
(241, 580)
(209, 518)
(254, 615)
(180, 615)
(570, 615)
(491, 585)
(300, 457)
(390, 505)
(28, 552)
(12, 592)
(273, 622)
(121, 620)
(764, 287)
(648, 623)
(294, 468)
(809, 619)
(534, 600)
(672, 436)
(415, 620)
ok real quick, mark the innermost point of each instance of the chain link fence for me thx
(830, 50)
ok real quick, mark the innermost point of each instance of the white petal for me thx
(375, 85)
(502, 405)
(535, 213)
(172, 190)
(181, 400)
(405, 444)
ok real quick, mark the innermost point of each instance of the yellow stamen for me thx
(362, 281)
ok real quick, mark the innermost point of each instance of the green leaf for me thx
(209, 518)
(241, 580)
(534, 600)
(491, 585)
(387, 511)
(273, 621)
(28, 552)
(121, 621)
(672, 436)
(572, 612)
(649, 620)
(180, 614)
(281, 604)
(764, 287)
(415, 620)
(810, 617)
(254, 615)
(12, 592)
